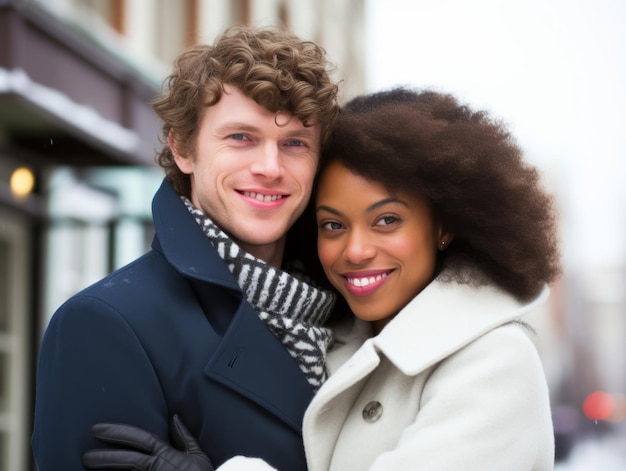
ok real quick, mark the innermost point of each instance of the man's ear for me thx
(182, 162)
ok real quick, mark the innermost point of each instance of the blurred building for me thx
(77, 141)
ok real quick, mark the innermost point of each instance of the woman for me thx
(440, 238)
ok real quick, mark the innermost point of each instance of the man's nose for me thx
(268, 162)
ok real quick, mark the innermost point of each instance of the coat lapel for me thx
(183, 244)
(443, 318)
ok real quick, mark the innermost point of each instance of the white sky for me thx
(555, 70)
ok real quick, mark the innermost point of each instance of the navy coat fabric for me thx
(168, 333)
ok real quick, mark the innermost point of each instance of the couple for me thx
(429, 225)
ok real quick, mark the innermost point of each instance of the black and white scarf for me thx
(291, 308)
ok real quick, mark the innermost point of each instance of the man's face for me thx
(253, 171)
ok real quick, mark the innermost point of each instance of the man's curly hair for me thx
(470, 170)
(275, 68)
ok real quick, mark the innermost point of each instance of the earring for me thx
(443, 244)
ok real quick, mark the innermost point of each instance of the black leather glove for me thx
(147, 452)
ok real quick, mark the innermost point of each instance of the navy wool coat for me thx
(169, 333)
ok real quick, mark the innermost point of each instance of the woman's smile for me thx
(365, 283)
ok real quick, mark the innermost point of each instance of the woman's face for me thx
(377, 248)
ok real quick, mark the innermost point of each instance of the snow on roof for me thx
(81, 117)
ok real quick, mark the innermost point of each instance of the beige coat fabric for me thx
(449, 384)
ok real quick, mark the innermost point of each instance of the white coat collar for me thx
(443, 318)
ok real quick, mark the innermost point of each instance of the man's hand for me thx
(147, 452)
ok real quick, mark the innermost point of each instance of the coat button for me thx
(372, 411)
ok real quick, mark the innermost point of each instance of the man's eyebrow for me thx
(236, 126)
(308, 133)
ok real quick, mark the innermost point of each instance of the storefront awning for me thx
(42, 120)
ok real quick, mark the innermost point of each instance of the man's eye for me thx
(239, 137)
(295, 143)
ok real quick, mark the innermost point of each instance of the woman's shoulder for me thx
(507, 352)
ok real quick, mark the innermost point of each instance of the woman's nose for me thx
(359, 247)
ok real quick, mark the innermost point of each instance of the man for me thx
(206, 325)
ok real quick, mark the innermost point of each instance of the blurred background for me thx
(77, 173)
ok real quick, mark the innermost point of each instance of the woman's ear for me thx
(444, 238)
(183, 163)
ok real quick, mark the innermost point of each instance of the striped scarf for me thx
(292, 309)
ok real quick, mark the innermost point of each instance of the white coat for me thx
(449, 384)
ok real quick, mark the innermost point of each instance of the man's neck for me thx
(271, 253)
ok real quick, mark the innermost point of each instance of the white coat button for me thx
(372, 411)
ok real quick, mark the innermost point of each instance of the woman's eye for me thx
(386, 220)
(330, 226)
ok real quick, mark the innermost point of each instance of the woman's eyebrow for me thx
(369, 209)
(328, 209)
(383, 202)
